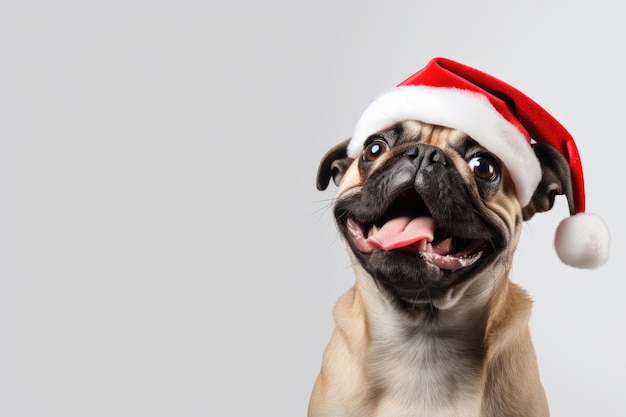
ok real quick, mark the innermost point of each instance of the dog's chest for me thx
(425, 375)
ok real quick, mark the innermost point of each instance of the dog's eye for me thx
(484, 168)
(374, 150)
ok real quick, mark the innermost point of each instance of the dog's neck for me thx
(433, 359)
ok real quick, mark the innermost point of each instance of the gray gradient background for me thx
(163, 249)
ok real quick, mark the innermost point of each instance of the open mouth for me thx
(409, 227)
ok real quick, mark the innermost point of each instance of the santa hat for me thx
(503, 120)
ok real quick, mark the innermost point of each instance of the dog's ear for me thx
(333, 165)
(555, 180)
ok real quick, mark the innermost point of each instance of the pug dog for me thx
(431, 215)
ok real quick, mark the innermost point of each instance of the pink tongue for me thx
(403, 231)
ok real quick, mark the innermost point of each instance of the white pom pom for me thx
(582, 241)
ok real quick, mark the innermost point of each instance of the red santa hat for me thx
(503, 120)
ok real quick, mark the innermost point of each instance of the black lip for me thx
(407, 201)
(409, 276)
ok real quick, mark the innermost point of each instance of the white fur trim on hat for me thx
(582, 241)
(469, 112)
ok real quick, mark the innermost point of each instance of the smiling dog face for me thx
(425, 208)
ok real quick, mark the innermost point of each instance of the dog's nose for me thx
(427, 154)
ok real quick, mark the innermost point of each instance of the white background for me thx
(163, 249)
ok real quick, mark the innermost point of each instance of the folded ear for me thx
(556, 180)
(333, 165)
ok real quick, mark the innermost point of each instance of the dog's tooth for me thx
(373, 230)
(444, 247)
